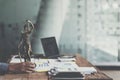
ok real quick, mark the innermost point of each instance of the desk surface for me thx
(42, 76)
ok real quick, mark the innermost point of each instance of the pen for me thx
(20, 56)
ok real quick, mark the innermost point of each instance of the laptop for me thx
(50, 47)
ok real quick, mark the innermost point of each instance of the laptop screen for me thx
(50, 47)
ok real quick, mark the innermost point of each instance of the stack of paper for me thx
(87, 70)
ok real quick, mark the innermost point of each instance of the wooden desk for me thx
(96, 76)
(42, 76)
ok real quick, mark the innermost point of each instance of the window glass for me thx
(96, 36)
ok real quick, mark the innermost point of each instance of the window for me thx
(99, 39)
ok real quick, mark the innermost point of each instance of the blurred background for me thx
(90, 28)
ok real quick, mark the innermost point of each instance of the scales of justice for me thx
(24, 46)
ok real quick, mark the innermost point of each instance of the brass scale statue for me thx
(24, 47)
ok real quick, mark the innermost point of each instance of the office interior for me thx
(90, 28)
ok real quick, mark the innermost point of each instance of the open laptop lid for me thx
(50, 47)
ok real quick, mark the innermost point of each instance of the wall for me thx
(13, 14)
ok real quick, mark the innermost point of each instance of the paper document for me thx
(65, 66)
(47, 64)
(62, 66)
(42, 65)
(87, 70)
(67, 59)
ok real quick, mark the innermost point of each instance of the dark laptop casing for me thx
(50, 47)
